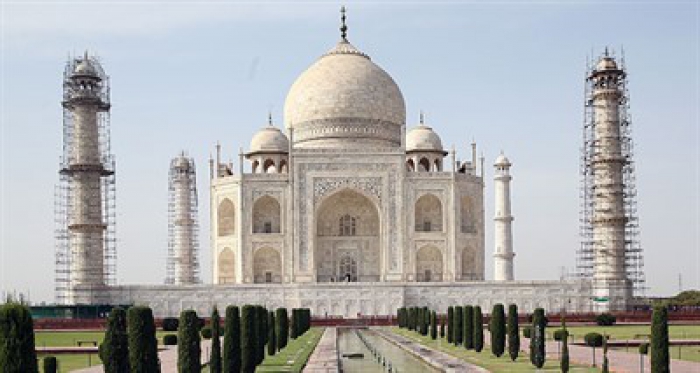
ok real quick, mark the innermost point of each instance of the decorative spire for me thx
(85, 58)
(606, 52)
(422, 118)
(343, 26)
(269, 118)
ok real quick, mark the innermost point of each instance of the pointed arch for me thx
(410, 166)
(266, 215)
(267, 266)
(424, 165)
(469, 271)
(226, 218)
(428, 214)
(269, 166)
(226, 266)
(467, 221)
(429, 264)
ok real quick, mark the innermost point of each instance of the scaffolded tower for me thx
(85, 196)
(610, 252)
(182, 265)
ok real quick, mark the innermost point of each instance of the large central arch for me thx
(347, 238)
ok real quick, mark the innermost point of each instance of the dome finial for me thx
(422, 118)
(269, 118)
(606, 52)
(343, 26)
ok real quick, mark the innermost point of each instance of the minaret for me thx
(503, 254)
(183, 263)
(607, 160)
(85, 252)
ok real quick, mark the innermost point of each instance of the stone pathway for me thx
(324, 359)
(438, 359)
(168, 359)
(620, 361)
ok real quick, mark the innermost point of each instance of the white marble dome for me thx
(423, 138)
(502, 160)
(606, 63)
(85, 67)
(269, 139)
(344, 99)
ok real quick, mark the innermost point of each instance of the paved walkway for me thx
(168, 359)
(620, 361)
(437, 359)
(324, 359)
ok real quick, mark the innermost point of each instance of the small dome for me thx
(269, 140)
(502, 160)
(85, 67)
(423, 138)
(606, 63)
(345, 98)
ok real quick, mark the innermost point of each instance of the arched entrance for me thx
(429, 264)
(267, 266)
(347, 245)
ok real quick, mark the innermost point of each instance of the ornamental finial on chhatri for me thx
(343, 26)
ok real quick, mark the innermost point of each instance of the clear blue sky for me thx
(187, 74)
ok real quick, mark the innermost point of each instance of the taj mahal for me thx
(348, 210)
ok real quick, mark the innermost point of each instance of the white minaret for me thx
(85, 251)
(503, 254)
(607, 162)
(183, 264)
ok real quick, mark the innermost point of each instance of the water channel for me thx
(372, 353)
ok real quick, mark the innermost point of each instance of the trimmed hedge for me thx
(50, 364)
(537, 341)
(497, 326)
(17, 348)
(644, 348)
(170, 324)
(170, 340)
(114, 350)
(433, 325)
(215, 358)
(459, 328)
(271, 336)
(143, 345)
(559, 334)
(660, 358)
(605, 319)
(593, 339)
(249, 343)
(450, 324)
(189, 353)
(281, 327)
(442, 326)
(478, 329)
(468, 327)
(527, 331)
(232, 340)
(513, 332)
(206, 332)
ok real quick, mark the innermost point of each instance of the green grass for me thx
(623, 332)
(294, 356)
(62, 339)
(485, 359)
(68, 362)
(688, 353)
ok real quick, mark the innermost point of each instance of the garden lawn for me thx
(294, 356)
(687, 353)
(485, 358)
(624, 332)
(69, 362)
(59, 338)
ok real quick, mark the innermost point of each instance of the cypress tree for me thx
(282, 327)
(498, 330)
(478, 329)
(17, 348)
(215, 359)
(51, 364)
(468, 327)
(271, 336)
(564, 363)
(189, 353)
(659, 340)
(249, 343)
(232, 340)
(442, 326)
(261, 332)
(425, 321)
(433, 325)
(410, 318)
(295, 323)
(537, 342)
(459, 329)
(606, 363)
(143, 345)
(513, 332)
(450, 324)
(114, 350)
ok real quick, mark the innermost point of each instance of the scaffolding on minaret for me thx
(85, 200)
(183, 229)
(593, 153)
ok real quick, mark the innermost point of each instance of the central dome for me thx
(345, 100)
